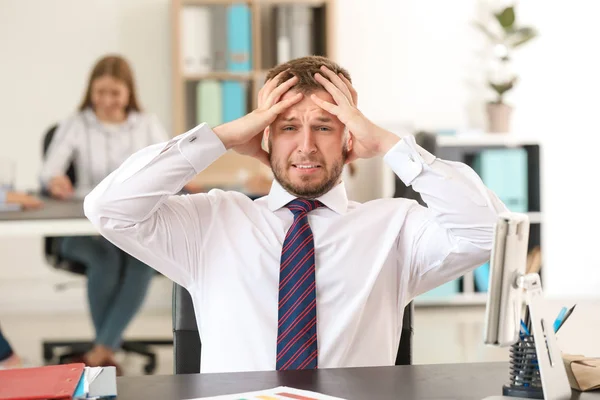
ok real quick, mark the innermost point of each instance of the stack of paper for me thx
(97, 383)
(279, 393)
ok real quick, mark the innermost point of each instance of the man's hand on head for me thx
(244, 135)
(368, 139)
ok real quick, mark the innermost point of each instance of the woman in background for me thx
(108, 127)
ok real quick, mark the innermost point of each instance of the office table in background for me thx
(56, 218)
(414, 382)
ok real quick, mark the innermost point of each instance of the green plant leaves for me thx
(506, 18)
(521, 36)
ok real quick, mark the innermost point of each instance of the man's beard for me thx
(309, 190)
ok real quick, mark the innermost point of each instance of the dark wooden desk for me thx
(450, 381)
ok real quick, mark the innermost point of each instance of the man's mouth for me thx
(306, 167)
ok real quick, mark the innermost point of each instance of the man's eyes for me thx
(317, 128)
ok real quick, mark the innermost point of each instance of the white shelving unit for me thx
(461, 299)
(469, 144)
(485, 139)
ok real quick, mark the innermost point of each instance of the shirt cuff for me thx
(407, 159)
(200, 146)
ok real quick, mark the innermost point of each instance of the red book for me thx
(51, 382)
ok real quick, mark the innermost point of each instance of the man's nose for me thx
(307, 141)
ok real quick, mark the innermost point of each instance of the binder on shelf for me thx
(219, 37)
(196, 40)
(234, 100)
(209, 102)
(300, 30)
(504, 171)
(239, 38)
(284, 40)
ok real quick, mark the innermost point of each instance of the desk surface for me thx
(449, 381)
(53, 209)
(56, 218)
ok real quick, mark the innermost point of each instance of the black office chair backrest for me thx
(186, 340)
(52, 244)
(47, 140)
(187, 346)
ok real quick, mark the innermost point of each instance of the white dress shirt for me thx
(371, 259)
(96, 148)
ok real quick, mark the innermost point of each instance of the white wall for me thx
(47, 49)
(413, 61)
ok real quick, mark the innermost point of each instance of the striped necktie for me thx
(297, 328)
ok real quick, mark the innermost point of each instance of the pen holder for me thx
(525, 379)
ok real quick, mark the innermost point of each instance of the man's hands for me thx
(368, 139)
(244, 135)
(24, 200)
(60, 187)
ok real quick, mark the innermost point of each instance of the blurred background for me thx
(509, 87)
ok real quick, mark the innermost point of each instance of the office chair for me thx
(187, 346)
(78, 347)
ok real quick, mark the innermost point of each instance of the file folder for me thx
(54, 382)
(239, 38)
(197, 57)
(209, 100)
(504, 171)
(234, 100)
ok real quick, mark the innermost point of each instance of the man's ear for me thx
(265, 141)
(350, 141)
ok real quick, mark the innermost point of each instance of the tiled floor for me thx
(27, 332)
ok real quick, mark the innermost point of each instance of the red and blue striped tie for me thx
(297, 329)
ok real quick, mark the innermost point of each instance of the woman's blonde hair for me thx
(118, 68)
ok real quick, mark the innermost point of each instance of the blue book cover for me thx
(504, 171)
(239, 38)
(481, 275)
(234, 100)
(448, 289)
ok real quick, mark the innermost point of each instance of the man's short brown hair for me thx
(305, 69)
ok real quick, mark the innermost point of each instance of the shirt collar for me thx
(336, 199)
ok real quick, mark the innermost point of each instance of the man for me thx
(301, 278)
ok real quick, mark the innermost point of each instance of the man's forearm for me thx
(132, 192)
(452, 190)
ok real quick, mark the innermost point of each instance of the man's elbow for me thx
(93, 209)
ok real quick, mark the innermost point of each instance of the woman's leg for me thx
(102, 261)
(127, 301)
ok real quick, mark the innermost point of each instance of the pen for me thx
(567, 315)
(525, 330)
(558, 320)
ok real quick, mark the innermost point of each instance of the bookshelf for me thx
(224, 63)
(465, 148)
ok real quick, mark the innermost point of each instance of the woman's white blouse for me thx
(97, 149)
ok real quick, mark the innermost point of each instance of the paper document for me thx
(279, 393)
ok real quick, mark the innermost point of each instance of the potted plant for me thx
(505, 35)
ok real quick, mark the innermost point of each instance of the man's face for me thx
(307, 147)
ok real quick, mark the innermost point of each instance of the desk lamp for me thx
(511, 291)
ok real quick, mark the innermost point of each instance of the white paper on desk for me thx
(278, 393)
